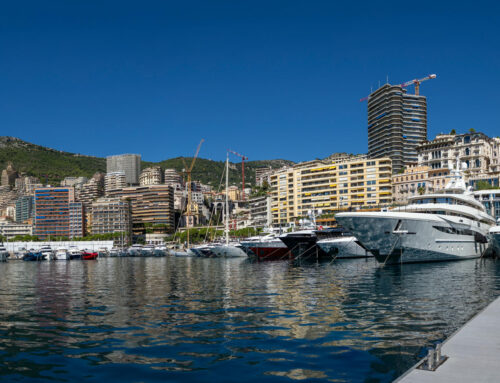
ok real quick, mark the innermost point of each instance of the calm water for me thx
(206, 320)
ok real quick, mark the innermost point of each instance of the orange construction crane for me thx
(243, 159)
(188, 170)
(417, 82)
(408, 83)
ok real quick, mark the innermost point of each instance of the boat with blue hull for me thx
(34, 257)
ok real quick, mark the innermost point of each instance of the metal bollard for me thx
(438, 354)
(430, 360)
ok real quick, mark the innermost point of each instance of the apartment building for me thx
(114, 181)
(91, 190)
(414, 180)
(150, 205)
(76, 220)
(172, 177)
(9, 229)
(129, 164)
(24, 208)
(477, 150)
(111, 215)
(397, 125)
(151, 176)
(52, 211)
(329, 186)
(260, 211)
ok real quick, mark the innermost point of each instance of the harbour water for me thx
(205, 320)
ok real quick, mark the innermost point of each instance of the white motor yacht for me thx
(148, 250)
(160, 251)
(47, 252)
(448, 225)
(135, 250)
(4, 254)
(343, 245)
(74, 252)
(20, 252)
(62, 254)
(103, 252)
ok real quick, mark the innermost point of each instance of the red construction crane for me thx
(243, 158)
(408, 83)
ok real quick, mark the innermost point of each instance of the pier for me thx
(469, 355)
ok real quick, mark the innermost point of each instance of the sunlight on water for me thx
(173, 319)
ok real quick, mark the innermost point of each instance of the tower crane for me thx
(415, 82)
(243, 159)
(187, 171)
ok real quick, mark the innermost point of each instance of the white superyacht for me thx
(448, 225)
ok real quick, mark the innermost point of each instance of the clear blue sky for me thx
(270, 79)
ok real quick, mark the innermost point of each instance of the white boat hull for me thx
(343, 247)
(415, 237)
(61, 257)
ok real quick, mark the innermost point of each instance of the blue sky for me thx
(269, 79)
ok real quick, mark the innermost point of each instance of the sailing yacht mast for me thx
(227, 201)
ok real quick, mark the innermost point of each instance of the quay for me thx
(471, 354)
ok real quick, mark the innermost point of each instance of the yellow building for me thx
(330, 185)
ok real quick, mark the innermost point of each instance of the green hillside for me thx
(55, 165)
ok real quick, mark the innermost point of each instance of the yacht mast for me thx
(227, 201)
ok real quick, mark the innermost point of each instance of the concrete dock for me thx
(473, 352)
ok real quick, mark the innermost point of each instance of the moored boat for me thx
(135, 250)
(62, 254)
(34, 256)
(343, 244)
(4, 254)
(74, 253)
(448, 225)
(86, 255)
(268, 247)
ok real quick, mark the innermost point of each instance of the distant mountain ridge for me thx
(54, 165)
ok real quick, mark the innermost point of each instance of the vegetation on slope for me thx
(54, 165)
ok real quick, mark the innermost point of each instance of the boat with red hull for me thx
(89, 256)
(266, 248)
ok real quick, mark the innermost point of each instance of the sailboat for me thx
(228, 250)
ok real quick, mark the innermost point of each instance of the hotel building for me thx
(336, 184)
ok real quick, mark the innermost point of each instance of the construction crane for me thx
(243, 159)
(417, 82)
(408, 83)
(187, 171)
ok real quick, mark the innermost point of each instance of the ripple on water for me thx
(174, 319)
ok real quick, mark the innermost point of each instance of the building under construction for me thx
(397, 123)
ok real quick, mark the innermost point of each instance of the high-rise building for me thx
(397, 124)
(151, 176)
(76, 220)
(260, 211)
(151, 206)
(114, 181)
(26, 184)
(24, 208)
(52, 211)
(111, 215)
(74, 181)
(130, 164)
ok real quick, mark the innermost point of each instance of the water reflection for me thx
(225, 320)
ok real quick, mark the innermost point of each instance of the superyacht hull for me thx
(228, 251)
(344, 247)
(394, 237)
